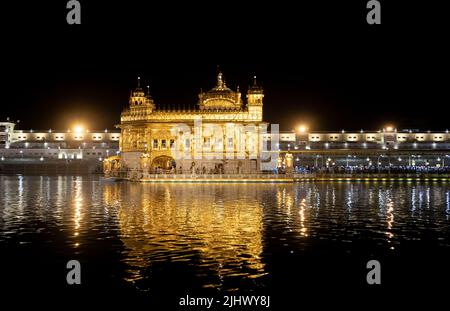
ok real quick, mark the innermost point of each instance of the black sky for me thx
(318, 61)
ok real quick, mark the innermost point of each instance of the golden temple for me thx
(221, 135)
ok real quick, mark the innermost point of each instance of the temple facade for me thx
(222, 134)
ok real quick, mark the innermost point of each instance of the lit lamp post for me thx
(379, 162)
(316, 160)
(302, 129)
(409, 159)
(328, 162)
(21, 155)
(78, 129)
(303, 134)
(443, 159)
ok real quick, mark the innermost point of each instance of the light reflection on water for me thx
(217, 231)
(205, 224)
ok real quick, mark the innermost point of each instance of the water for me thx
(153, 243)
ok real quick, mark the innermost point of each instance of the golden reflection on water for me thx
(294, 206)
(303, 230)
(216, 231)
(219, 227)
(390, 217)
(77, 202)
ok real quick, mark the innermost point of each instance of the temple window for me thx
(163, 144)
(155, 144)
(207, 142)
(230, 142)
(219, 143)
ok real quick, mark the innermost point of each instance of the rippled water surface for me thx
(142, 240)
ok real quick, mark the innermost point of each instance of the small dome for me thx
(220, 97)
(138, 91)
(255, 88)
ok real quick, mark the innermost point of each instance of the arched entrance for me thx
(163, 164)
(62, 155)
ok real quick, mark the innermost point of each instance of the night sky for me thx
(319, 61)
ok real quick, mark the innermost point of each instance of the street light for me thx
(379, 162)
(302, 128)
(409, 159)
(316, 160)
(78, 129)
(443, 159)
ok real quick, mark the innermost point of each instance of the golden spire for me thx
(255, 88)
(220, 82)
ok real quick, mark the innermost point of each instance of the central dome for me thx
(220, 97)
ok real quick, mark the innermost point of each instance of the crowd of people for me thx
(373, 169)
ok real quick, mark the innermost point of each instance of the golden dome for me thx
(220, 97)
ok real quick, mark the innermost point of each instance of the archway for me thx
(62, 155)
(163, 164)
